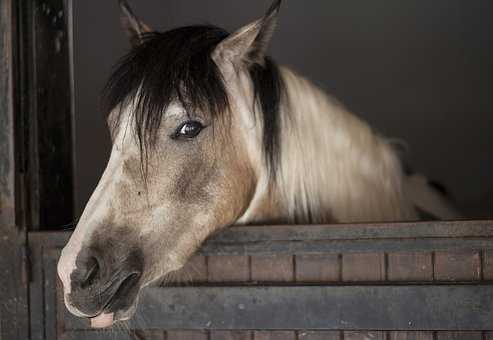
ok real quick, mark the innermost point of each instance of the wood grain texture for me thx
(317, 268)
(229, 269)
(148, 335)
(272, 268)
(340, 307)
(459, 336)
(374, 231)
(351, 238)
(319, 335)
(186, 335)
(14, 278)
(279, 305)
(364, 335)
(410, 335)
(49, 86)
(488, 265)
(410, 267)
(7, 124)
(113, 335)
(231, 335)
(457, 266)
(274, 335)
(363, 267)
(275, 240)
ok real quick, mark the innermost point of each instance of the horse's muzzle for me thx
(103, 285)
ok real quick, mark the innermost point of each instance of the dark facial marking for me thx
(191, 185)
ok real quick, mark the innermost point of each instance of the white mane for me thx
(333, 167)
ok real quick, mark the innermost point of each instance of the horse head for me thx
(188, 158)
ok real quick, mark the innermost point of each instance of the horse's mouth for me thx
(103, 320)
(107, 319)
(121, 305)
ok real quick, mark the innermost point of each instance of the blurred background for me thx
(417, 70)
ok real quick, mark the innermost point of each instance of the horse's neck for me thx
(333, 167)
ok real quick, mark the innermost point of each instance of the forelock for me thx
(169, 66)
(177, 65)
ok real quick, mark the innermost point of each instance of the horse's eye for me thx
(189, 129)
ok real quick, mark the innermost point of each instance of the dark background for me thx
(416, 70)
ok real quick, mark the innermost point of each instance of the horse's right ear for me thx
(134, 28)
(249, 44)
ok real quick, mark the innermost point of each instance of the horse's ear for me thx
(134, 28)
(249, 44)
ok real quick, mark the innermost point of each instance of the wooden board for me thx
(457, 307)
(46, 85)
(287, 291)
(14, 275)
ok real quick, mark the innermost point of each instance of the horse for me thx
(209, 132)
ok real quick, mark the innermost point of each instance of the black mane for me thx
(177, 65)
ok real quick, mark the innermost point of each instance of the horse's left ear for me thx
(249, 44)
(134, 28)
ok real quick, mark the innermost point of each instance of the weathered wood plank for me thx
(397, 230)
(426, 308)
(231, 335)
(363, 267)
(305, 239)
(13, 285)
(318, 268)
(14, 275)
(348, 246)
(229, 268)
(451, 307)
(114, 334)
(411, 336)
(60, 306)
(48, 88)
(410, 267)
(7, 103)
(488, 265)
(186, 335)
(364, 335)
(273, 268)
(36, 292)
(274, 335)
(395, 237)
(52, 320)
(459, 336)
(319, 335)
(457, 266)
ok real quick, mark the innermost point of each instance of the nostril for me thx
(92, 273)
